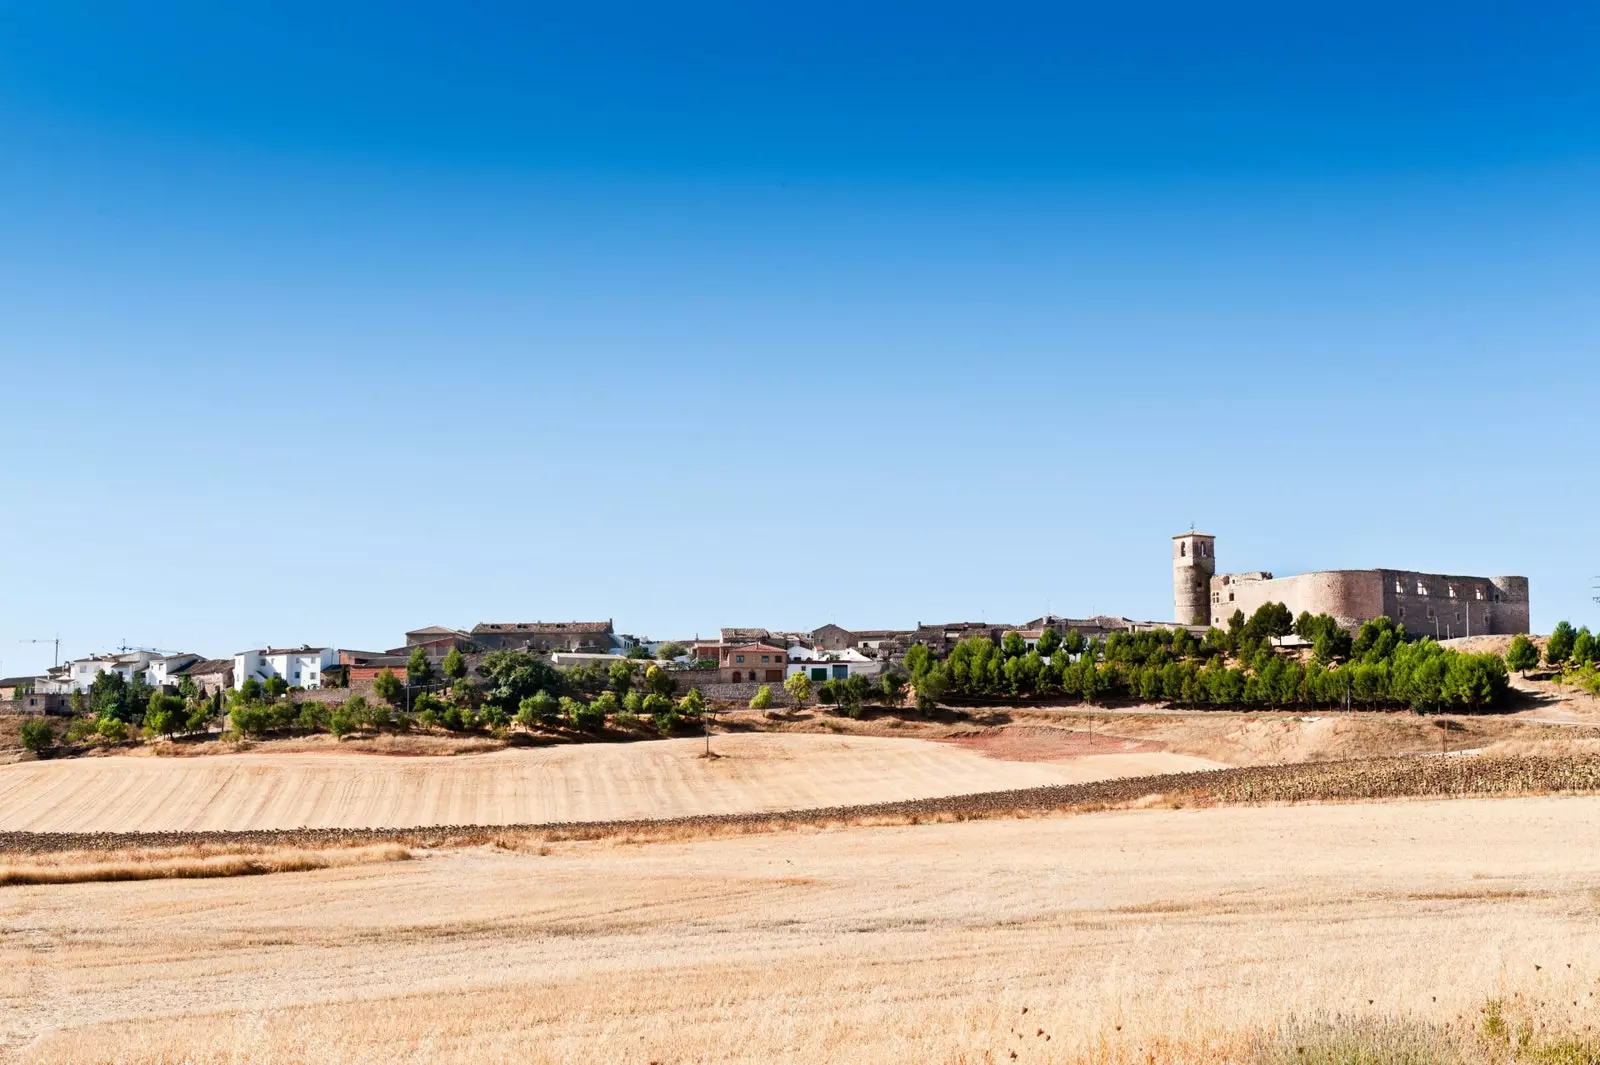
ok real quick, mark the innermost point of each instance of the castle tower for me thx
(1194, 561)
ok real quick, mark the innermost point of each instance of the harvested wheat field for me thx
(588, 782)
(1153, 935)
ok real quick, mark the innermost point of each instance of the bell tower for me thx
(1194, 561)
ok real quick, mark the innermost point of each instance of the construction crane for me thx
(126, 647)
(56, 640)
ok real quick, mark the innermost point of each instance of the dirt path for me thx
(591, 782)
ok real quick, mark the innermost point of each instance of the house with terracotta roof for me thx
(763, 661)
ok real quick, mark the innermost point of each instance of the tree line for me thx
(1243, 665)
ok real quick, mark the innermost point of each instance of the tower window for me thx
(1183, 549)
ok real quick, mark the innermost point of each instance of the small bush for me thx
(37, 735)
(111, 730)
(763, 698)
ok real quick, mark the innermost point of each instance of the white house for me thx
(820, 664)
(79, 673)
(163, 671)
(300, 667)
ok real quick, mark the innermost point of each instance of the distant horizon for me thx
(312, 322)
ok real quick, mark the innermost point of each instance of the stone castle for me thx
(1427, 604)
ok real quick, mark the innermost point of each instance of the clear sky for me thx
(322, 322)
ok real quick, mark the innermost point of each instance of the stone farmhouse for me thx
(1427, 604)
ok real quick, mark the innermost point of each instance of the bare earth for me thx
(757, 772)
(935, 943)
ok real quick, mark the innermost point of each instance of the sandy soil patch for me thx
(591, 782)
(922, 944)
(1038, 743)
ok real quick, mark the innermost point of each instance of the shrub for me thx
(80, 728)
(605, 704)
(340, 723)
(314, 716)
(386, 686)
(250, 718)
(798, 685)
(111, 729)
(37, 735)
(763, 698)
(693, 704)
(579, 714)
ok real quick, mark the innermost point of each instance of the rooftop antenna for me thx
(56, 640)
(1596, 589)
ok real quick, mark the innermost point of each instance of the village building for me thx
(761, 661)
(592, 637)
(300, 667)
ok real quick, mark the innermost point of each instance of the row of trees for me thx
(1238, 666)
(1567, 647)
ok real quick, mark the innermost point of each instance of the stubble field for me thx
(588, 782)
(1129, 936)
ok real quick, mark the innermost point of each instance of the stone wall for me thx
(1425, 603)
(718, 691)
(1447, 605)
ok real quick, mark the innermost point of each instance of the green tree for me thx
(798, 685)
(386, 686)
(111, 729)
(1012, 645)
(659, 709)
(638, 652)
(633, 703)
(891, 688)
(341, 723)
(36, 735)
(1522, 655)
(419, 670)
(1585, 649)
(164, 714)
(918, 660)
(605, 704)
(580, 714)
(931, 685)
(1558, 648)
(693, 705)
(1049, 641)
(275, 687)
(658, 681)
(670, 650)
(455, 664)
(762, 700)
(112, 696)
(620, 676)
(511, 676)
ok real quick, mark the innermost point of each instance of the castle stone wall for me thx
(1427, 604)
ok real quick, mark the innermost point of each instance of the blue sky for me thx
(321, 323)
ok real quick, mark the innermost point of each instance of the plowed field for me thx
(589, 782)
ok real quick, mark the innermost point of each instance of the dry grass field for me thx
(755, 772)
(1157, 935)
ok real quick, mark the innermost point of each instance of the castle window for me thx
(1230, 597)
(1216, 597)
(1452, 590)
(1399, 587)
(1183, 549)
(1402, 612)
(1422, 589)
(1477, 593)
